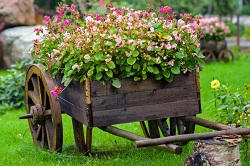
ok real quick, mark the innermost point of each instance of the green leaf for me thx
(156, 70)
(150, 69)
(131, 60)
(166, 74)
(179, 55)
(109, 73)
(90, 72)
(156, 25)
(136, 66)
(144, 76)
(128, 68)
(222, 107)
(137, 78)
(175, 70)
(170, 79)
(116, 83)
(99, 56)
(111, 65)
(131, 47)
(100, 68)
(98, 76)
(158, 77)
(135, 53)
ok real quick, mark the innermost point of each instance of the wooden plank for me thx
(149, 112)
(143, 98)
(128, 85)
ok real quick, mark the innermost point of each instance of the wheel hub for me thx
(38, 115)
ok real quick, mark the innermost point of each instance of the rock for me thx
(16, 44)
(17, 12)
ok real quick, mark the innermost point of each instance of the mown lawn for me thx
(17, 148)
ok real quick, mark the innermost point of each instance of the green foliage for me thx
(245, 10)
(233, 107)
(246, 32)
(12, 86)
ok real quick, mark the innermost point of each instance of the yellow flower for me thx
(215, 84)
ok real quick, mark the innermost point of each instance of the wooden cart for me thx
(170, 107)
(216, 50)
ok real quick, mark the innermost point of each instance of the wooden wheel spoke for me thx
(33, 96)
(49, 132)
(38, 132)
(37, 88)
(44, 99)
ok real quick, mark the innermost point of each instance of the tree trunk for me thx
(214, 152)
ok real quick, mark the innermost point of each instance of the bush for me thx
(12, 86)
(233, 106)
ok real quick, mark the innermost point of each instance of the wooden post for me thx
(133, 137)
(89, 114)
(188, 137)
(79, 136)
(238, 31)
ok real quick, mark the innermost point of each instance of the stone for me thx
(16, 44)
(16, 12)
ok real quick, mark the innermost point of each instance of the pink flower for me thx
(37, 29)
(60, 11)
(57, 90)
(75, 66)
(108, 60)
(54, 93)
(86, 57)
(163, 10)
(168, 17)
(66, 22)
(184, 71)
(59, 16)
(170, 10)
(60, 89)
(98, 16)
(46, 19)
(73, 7)
(171, 63)
(174, 45)
(35, 41)
(169, 38)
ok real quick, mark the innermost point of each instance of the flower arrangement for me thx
(214, 29)
(233, 107)
(121, 43)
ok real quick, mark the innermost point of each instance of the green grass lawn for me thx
(17, 148)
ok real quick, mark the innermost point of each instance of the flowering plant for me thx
(121, 43)
(233, 107)
(214, 29)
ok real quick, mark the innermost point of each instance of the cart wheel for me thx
(176, 124)
(226, 55)
(43, 110)
(209, 55)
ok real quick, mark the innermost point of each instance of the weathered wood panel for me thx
(72, 101)
(128, 85)
(148, 112)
